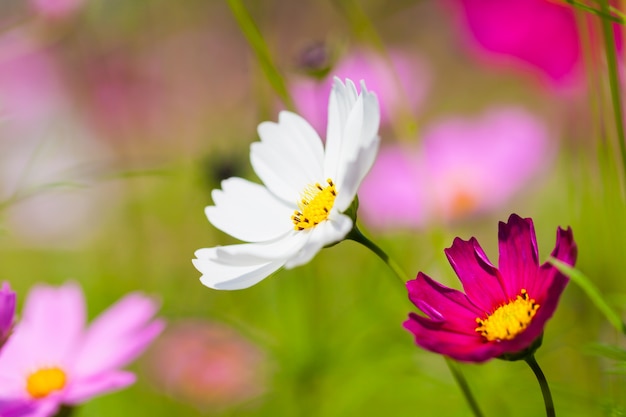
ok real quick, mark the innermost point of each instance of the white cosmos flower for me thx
(307, 188)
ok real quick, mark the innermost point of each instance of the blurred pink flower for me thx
(7, 312)
(51, 359)
(207, 364)
(404, 83)
(463, 167)
(539, 35)
(56, 9)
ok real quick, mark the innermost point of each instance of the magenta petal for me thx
(118, 335)
(85, 389)
(481, 281)
(550, 280)
(7, 311)
(442, 304)
(459, 346)
(518, 262)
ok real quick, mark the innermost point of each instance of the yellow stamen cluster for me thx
(508, 320)
(44, 381)
(315, 205)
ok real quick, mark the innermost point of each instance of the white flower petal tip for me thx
(306, 187)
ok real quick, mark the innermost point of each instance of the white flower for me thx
(307, 188)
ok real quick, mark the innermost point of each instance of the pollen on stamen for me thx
(315, 205)
(508, 320)
(43, 382)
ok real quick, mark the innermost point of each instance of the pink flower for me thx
(52, 359)
(503, 310)
(401, 82)
(463, 167)
(7, 312)
(208, 365)
(56, 9)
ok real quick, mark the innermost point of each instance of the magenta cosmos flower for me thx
(52, 359)
(504, 309)
(7, 311)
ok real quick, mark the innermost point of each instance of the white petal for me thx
(342, 99)
(248, 211)
(251, 253)
(358, 128)
(289, 157)
(331, 231)
(230, 277)
(355, 172)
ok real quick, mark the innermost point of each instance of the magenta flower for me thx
(7, 312)
(462, 167)
(52, 359)
(504, 310)
(401, 82)
(538, 33)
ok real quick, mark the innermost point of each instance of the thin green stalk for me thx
(462, 383)
(356, 235)
(592, 292)
(543, 383)
(614, 81)
(258, 45)
(65, 411)
(600, 13)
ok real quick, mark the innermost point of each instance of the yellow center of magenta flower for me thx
(315, 205)
(44, 381)
(508, 320)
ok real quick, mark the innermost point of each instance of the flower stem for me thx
(462, 383)
(543, 383)
(261, 50)
(356, 235)
(65, 411)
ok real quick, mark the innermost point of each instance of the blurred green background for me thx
(151, 103)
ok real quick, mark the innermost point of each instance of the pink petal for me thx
(481, 280)
(118, 336)
(7, 311)
(565, 250)
(85, 389)
(56, 319)
(518, 262)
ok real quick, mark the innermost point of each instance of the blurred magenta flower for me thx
(207, 364)
(308, 188)
(538, 35)
(400, 81)
(503, 310)
(7, 312)
(51, 359)
(462, 167)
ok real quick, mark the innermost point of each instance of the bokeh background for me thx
(118, 118)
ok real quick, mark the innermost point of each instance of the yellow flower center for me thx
(42, 382)
(315, 205)
(508, 320)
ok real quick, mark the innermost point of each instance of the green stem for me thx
(608, 16)
(65, 411)
(258, 45)
(356, 235)
(462, 383)
(614, 81)
(543, 383)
